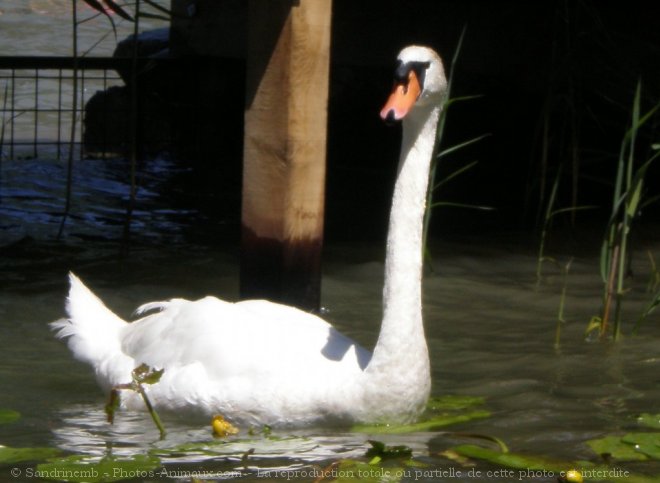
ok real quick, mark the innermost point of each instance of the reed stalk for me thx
(561, 320)
(627, 202)
(550, 213)
(439, 153)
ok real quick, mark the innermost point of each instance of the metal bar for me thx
(59, 115)
(36, 114)
(12, 112)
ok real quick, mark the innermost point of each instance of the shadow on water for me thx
(490, 332)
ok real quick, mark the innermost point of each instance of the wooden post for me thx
(284, 150)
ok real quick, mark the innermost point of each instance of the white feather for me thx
(258, 362)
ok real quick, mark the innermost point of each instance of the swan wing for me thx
(231, 340)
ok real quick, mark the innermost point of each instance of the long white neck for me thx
(401, 355)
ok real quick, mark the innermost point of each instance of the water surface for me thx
(490, 331)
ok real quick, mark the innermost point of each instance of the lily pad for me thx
(649, 420)
(646, 443)
(79, 468)
(514, 460)
(16, 455)
(8, 416)
(433, 423)
(614, 447)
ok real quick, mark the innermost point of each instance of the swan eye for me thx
(403, 70)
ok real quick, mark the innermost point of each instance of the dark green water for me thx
(490, 332)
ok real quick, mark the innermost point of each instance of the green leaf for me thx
(79, 468)
(649, 420)
(15, 455)
(434, 423)
(144, 374)
(382, 452)
(647, 443)
(462, 205)
(8, 416)
(454, 174)
(461, 145)
(453, 402)
(614, 447)
(650, 307)
(573, 209)
(514, 460)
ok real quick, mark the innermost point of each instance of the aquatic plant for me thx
(550, 213)
(9, 455)
(439, 153)
(440, 412)
(561, 320)
(141, 375)
(91, 469)
(627, 202)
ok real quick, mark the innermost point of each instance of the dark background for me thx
(555, 79)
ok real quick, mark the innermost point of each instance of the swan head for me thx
(419, 80)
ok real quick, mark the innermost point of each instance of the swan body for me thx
(258, 362)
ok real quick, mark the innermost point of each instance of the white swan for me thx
(258, 362)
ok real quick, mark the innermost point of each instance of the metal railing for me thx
(36, 99)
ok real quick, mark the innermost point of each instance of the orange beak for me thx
(402, 99)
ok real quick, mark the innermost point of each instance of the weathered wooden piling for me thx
(285, 150)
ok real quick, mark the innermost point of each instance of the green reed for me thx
(550, 213)
(439, 153)
(627, 202)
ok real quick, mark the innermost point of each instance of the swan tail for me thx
(91, 328)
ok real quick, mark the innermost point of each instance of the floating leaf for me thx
(382, 452)
(8, 416)
(514, 460)
(647, 443)
(433, 423)
(650, 420)
(15, 455)
(614, 447)
(453, 402)
(79, 468)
